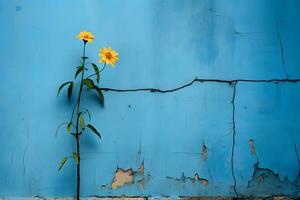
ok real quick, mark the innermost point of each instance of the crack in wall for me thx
(233, 139)
(297, 180)
(281, 49)
(232, 83)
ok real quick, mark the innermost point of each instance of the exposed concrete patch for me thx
(265, 182)
(122, 177)
(195, 179)
(142, 179)
(141, 168)
(129, 176)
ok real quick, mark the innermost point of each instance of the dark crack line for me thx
(281, 51)
(298, 159)
(297, 155)
(230, 82)
(233, 139)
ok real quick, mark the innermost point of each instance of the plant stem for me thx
(77, 136)
(104, 65)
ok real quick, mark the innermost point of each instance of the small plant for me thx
(77, 125)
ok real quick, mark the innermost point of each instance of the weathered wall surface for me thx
(210, 138)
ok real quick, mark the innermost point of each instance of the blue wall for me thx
(162, 44)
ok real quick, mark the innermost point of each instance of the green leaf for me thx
(62, 163)
(75, 157)
(94, 130)
(89, 83)
(70, 89)
(80, 69)
(81, 121)
(100, 94)
(69, 127)
(63, 85)
(96, 72)
(58, 127)
(88, 112)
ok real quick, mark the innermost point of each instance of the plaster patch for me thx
(129, 176)
(122, 177)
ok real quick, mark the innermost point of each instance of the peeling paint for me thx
(126, 177)
(252, 147)
(265, 182)
(196, 178)
(122, 177)
(142, 168)
(204, 151)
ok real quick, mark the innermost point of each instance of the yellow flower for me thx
(86, 36)
(108, 56)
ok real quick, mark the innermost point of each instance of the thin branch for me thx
(98, 72)
(73, 111)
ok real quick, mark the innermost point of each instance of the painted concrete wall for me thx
(161, 139)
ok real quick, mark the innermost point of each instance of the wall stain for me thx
(18, 8)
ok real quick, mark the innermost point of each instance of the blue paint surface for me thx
(162, 44)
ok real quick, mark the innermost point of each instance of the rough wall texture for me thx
(232, 131)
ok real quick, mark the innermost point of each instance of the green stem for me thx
(77, 135)
(98, 72)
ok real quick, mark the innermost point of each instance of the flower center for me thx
(108, 55)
